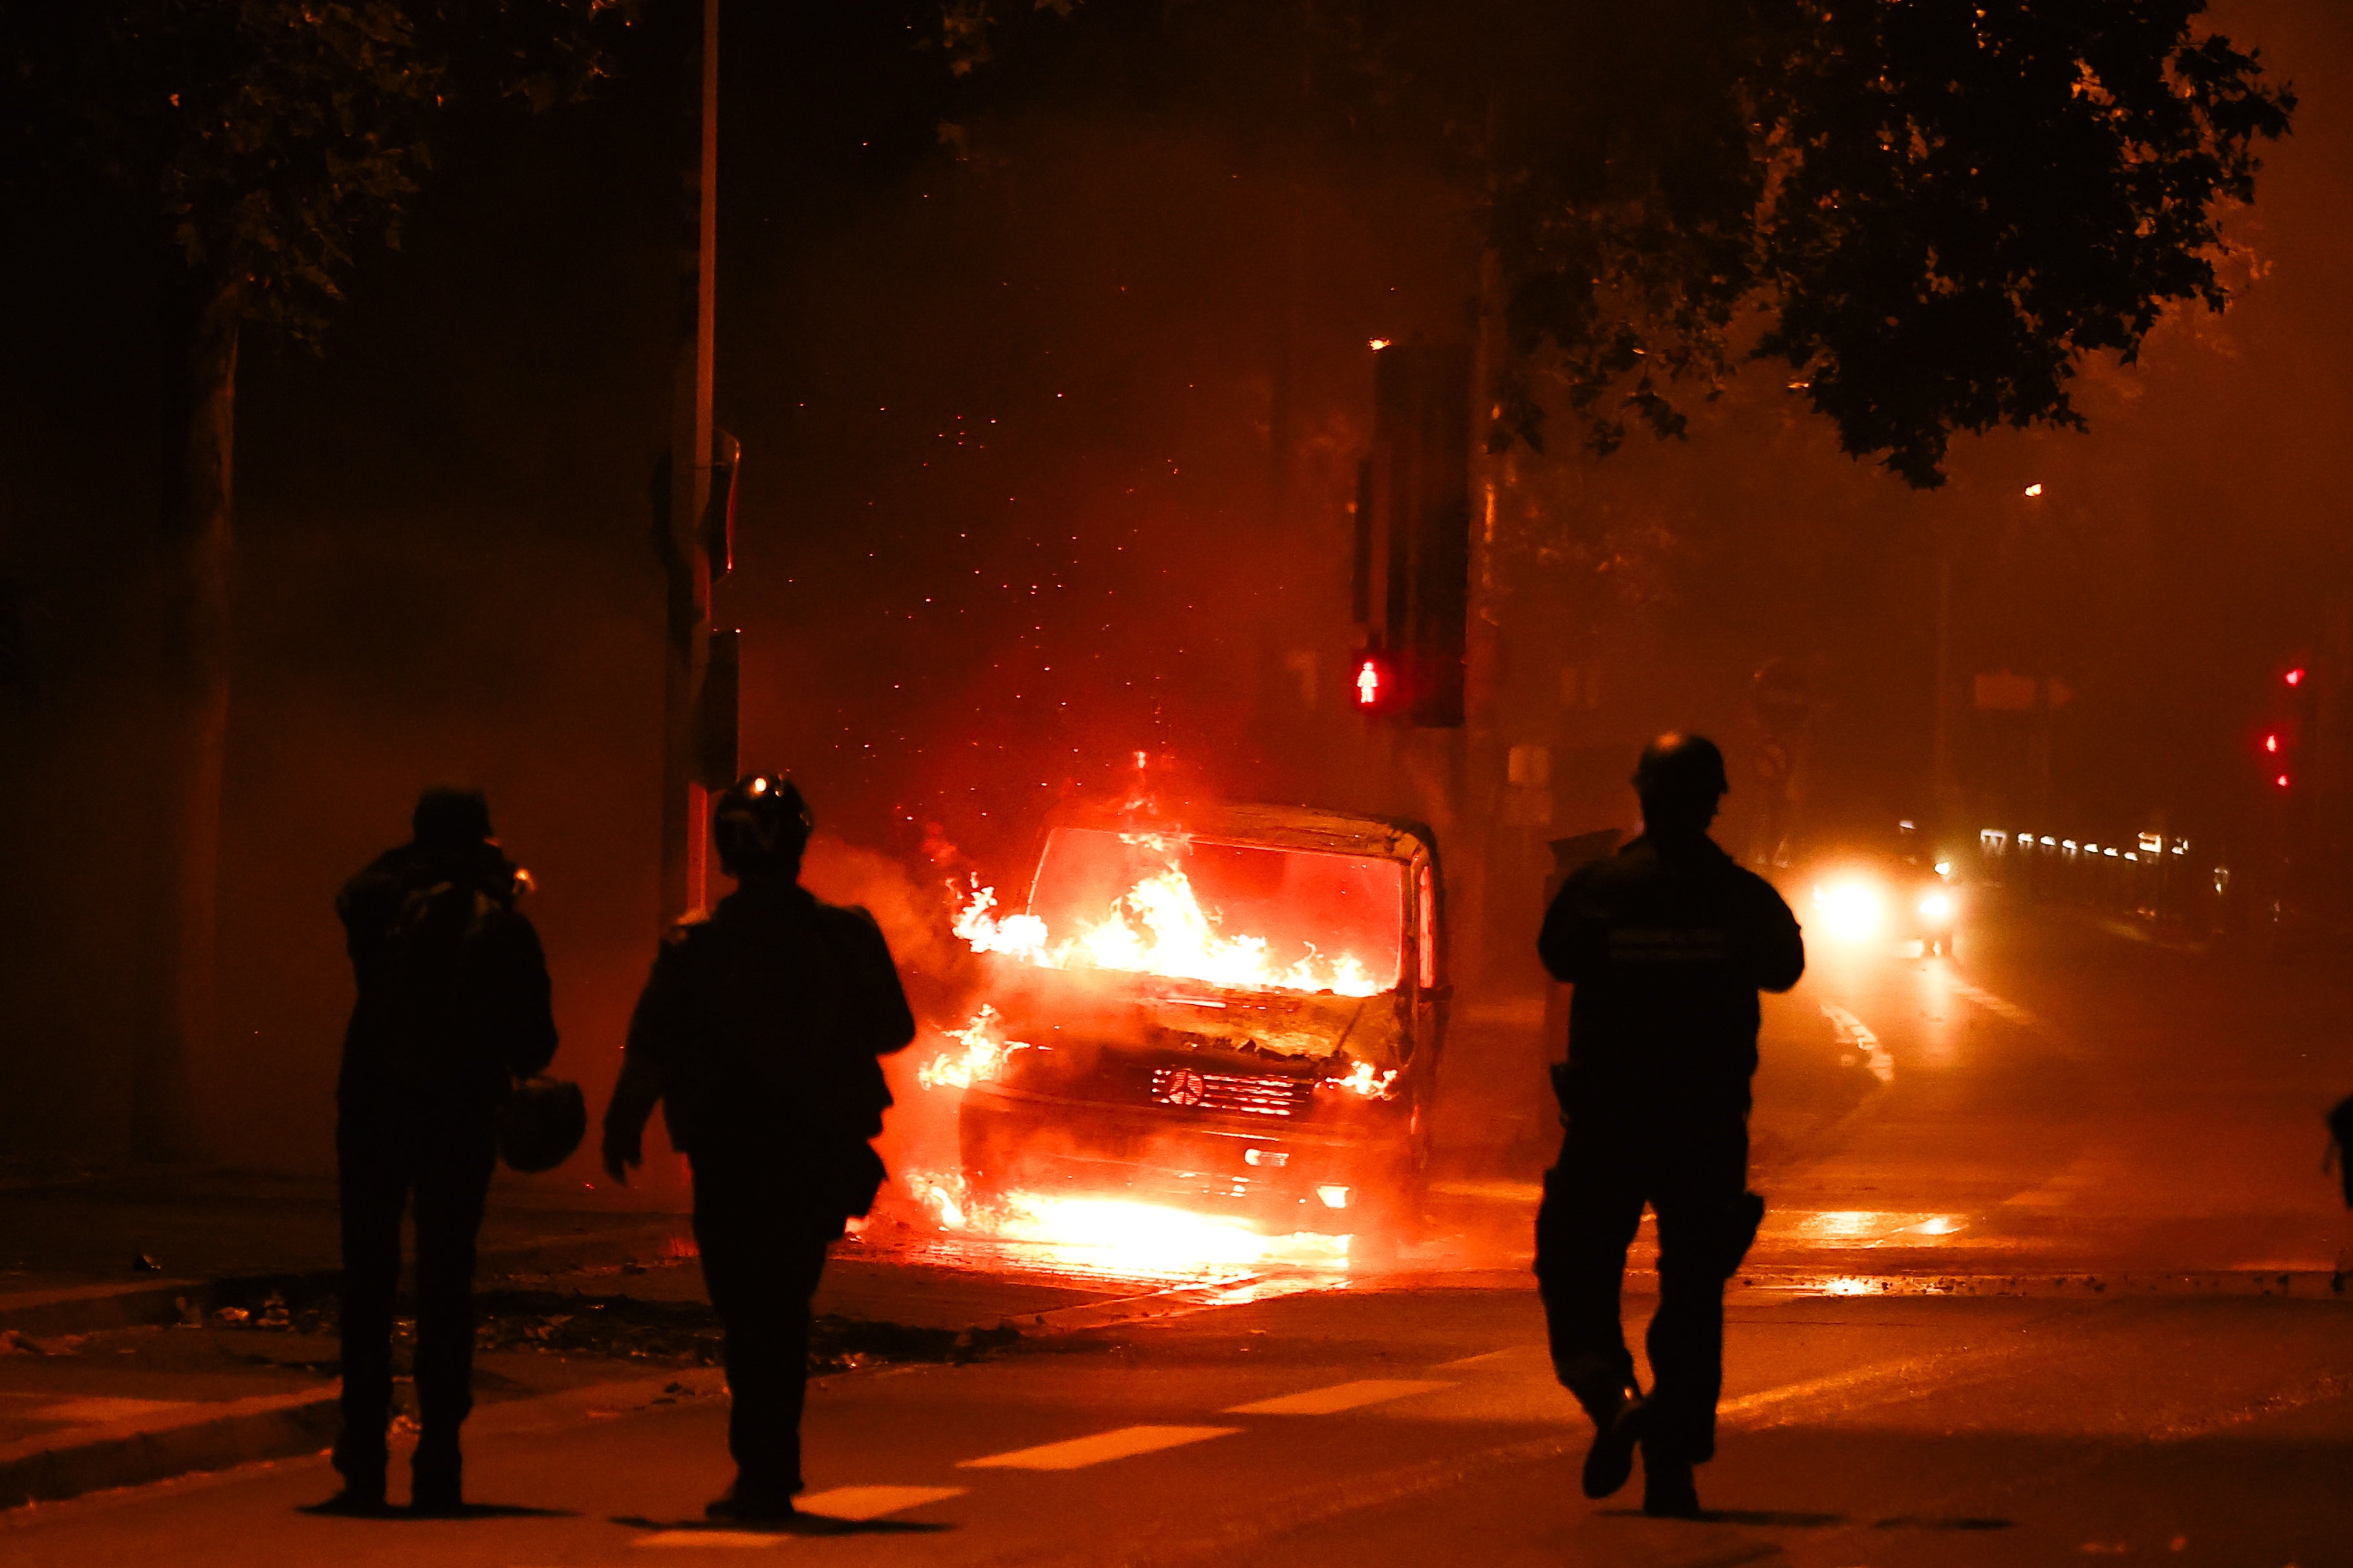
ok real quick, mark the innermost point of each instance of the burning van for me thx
(1246, 1013)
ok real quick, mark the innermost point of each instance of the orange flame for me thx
(1158, 927)
(980, 1060)
(1362, 1080)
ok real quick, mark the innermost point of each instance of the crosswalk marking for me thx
(1121, 1443)
(1999, 1006)
(872, 1502)
(1874, 1054)
(1338, 1398)
(1487, 1359)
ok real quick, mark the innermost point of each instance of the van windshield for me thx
(1232, 914)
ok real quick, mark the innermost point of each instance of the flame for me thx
(1117, 1236)
(1362, 1080)
(980, 1060)
(1023, 936)
(1158, 927)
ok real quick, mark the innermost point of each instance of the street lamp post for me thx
(685, 536)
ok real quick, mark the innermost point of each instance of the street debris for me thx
(626, 1327)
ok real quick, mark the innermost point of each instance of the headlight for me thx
(1851, 910)
(1937, 906)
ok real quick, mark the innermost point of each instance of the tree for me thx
(262, 146)
(1930, 212)
(1927, 211)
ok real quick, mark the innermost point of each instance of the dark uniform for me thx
(1667, 943)
(453, 1005)
(760, 1032)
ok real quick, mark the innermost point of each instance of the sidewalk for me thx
(156, 1323)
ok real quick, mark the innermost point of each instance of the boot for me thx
(753, 1504)
(436, 1474)
(1616, 1428)
(1669, 1490)
(363, 1467)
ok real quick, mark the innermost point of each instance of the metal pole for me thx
(687, 646)
(1940, 757)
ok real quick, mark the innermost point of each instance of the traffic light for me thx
(1412, 574)
(1375, 686)
(2284, 737)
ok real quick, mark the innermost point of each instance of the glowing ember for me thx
(979, 1056)
(1158, 927)
(1116, 1235)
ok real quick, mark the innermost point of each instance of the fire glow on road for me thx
(1119, 1237)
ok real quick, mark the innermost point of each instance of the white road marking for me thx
(2001, 1007)
(1878, 1383)
(1121, 1443)
(2099, 1168)
(1338, 1398)
(1874, 1054)
(753, 1538)
(1492, 1192)
(1494, 1358)
(872, 1502)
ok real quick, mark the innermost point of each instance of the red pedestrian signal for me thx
(2294, 677)
(1375, 687)
(2271, 742)
(2281, 781)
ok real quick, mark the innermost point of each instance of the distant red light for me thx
(2281, 781)
(2296, 677)
(2271, 742)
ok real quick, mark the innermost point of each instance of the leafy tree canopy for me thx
(1926, 213)
(269, 140)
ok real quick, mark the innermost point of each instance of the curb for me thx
(2300, 1284)
(218, 1436)
(176, 1443)
(83, 1309)
(286, 1426)
(1178, 1302)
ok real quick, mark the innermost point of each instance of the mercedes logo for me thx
(1186, 1087)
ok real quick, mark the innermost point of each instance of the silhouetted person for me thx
(760, 1030)
(453, 1006)
(1667, 943)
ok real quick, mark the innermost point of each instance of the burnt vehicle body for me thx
(1299, 1098)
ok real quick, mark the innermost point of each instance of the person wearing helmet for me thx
(453, 1006)
(760, 1032)
(1667, 943)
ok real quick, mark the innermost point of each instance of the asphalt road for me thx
(1412, 1427)
(2106, 1140)
(2062, 1098)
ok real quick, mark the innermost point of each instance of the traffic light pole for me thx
(686, 559)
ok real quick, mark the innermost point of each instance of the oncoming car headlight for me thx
(1852, 910)
(1936, 907)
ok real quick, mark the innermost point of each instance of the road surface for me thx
(2010, 1308)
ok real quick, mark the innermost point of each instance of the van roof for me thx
(1284, 828)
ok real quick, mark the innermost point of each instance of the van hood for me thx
(1116, 1007)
